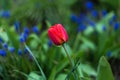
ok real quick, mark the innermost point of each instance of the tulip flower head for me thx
(58, 34)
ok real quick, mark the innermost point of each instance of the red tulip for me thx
(57, 34)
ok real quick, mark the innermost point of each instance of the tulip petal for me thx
(63, 32)
(57, 34)
(54, 36)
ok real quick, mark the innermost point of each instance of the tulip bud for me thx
(57, 34)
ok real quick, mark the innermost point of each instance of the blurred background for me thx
(93, 27)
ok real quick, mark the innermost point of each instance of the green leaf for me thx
(61, 77)
(104, 70)
(53, 73)
(12, 36)
(87, 44)
(89, 30)
(34, 36)
(86, 68)
(85, 78)
(33, 44)
(62, 64)
(4, 36)
(35, 76)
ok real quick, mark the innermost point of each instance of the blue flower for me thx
(25, 36)
(104, 12)
(94, 13)
(49, 43)
(92, 23)
(1, 40)
(81, 27)
(104, 28)
(5, 45)
(89, 5)
(25, 51)
(22, 39)
(5, 14)
(19, 52)
(12, 49)
(17, 26)
(82, 18)
(74, 18)
(26, 30)
(3, 52)
(114, 17)
(116, 26)
(109, 54)
(35, 29)
(111, 22)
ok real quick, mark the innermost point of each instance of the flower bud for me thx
(57, 34)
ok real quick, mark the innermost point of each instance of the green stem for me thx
(70, 60)
(36, 62)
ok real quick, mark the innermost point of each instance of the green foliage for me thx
(104, 70)
(98, 28)
(86, 68)
(85, 48)
(36, 11)
(109, 3)
(61, 76)
(35, 76)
